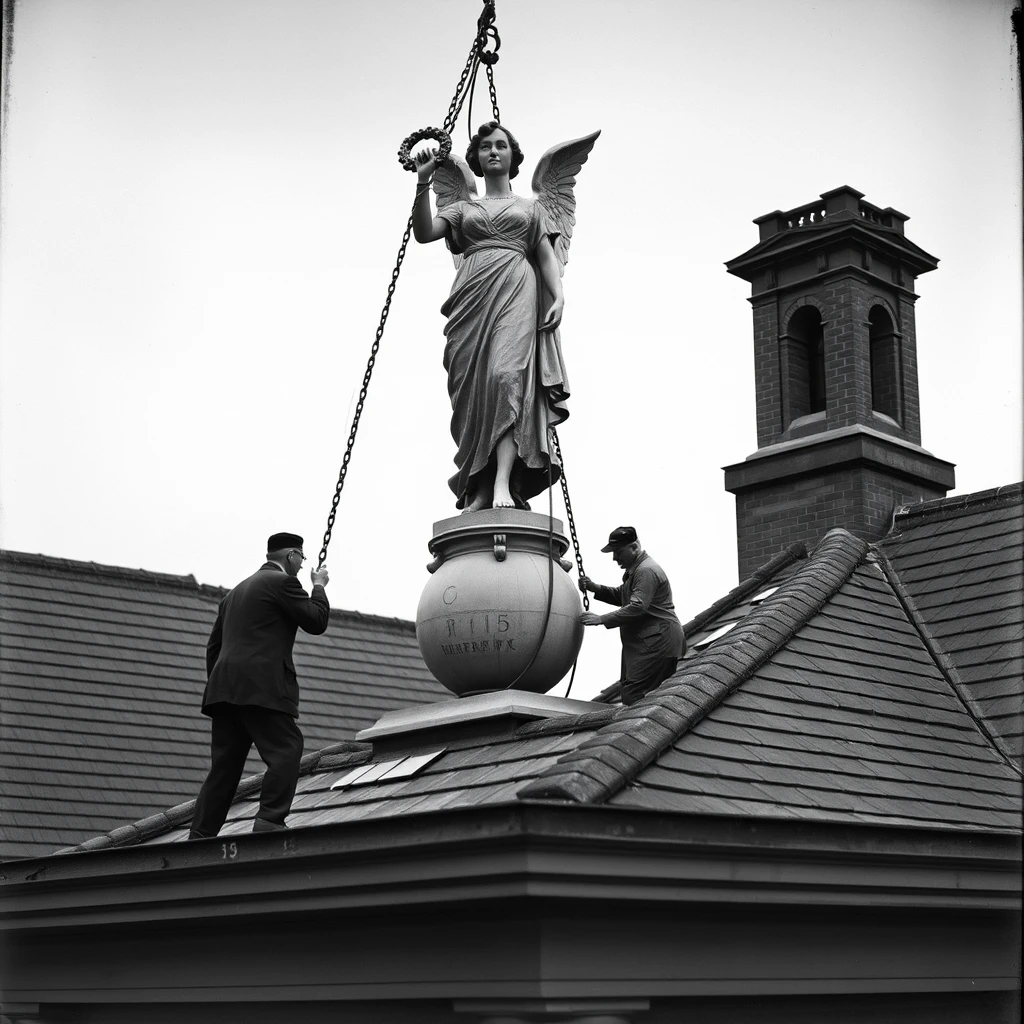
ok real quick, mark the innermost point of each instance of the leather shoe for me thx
(262, 825)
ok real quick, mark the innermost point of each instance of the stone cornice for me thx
(790, 244)
(830, 449)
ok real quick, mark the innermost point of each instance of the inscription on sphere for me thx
(479, 647)
(480, 634)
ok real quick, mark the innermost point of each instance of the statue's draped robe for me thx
(502, 373)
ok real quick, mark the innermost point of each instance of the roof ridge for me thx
(174, 817)
(1007, 494)
(616, 753)
(98, 569)
(737, 595)
(794, 553)
(944, 663)
(166, 579)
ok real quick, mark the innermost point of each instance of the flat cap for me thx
(277, 541)
(620, 537)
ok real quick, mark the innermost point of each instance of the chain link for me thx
(494, 95)
(569, 515)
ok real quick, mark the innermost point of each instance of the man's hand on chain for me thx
(319, 576)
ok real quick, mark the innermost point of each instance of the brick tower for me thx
(835, 357)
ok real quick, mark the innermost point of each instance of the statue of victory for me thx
(506, 376)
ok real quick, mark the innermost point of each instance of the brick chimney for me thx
(835, 364)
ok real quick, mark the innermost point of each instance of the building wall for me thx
(805, 509)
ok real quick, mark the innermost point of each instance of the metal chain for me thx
(569, 516)
(459, 98)
(471, 90)
(494, 95)
(366, 384)
(479, 55)
(485, 30)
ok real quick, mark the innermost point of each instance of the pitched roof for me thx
(101, 673)
(827, 698)
(823, 702)
(960, 561)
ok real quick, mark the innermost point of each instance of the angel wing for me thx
(453, 181)
(553, 183)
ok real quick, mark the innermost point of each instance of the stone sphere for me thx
(483, 622)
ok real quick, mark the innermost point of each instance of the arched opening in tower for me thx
(885, 364)
(805, 379)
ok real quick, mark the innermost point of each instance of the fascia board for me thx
(529, 851)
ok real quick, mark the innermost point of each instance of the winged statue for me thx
(506, 376)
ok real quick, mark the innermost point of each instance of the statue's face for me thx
(495, 153)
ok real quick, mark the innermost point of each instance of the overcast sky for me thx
(201, 208)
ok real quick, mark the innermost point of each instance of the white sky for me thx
(201, 207)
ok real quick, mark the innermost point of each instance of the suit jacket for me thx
(249, 653)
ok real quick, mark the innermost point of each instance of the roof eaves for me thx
(944, 663)
(754, 582)
(638, 734)
(336, 755)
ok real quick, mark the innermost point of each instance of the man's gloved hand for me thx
(590, 619)
(319, 576)
(585, 584)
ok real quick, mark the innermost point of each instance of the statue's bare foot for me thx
(478, 502)
(502, 498)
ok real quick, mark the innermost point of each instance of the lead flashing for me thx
(484, 707)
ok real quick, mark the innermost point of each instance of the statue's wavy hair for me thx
(473, 157)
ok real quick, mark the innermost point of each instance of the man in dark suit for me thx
(252, 695)
(652, 636)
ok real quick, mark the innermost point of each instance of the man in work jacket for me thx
(652, 636)
(252, 695)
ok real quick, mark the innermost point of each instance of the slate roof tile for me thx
(959, 564)
(797, 599)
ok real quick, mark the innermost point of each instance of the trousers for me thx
(234, 728)
(634, 689)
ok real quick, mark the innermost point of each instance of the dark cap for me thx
(620, 537)
(277, 541)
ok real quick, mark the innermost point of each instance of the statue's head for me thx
(473, 153)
